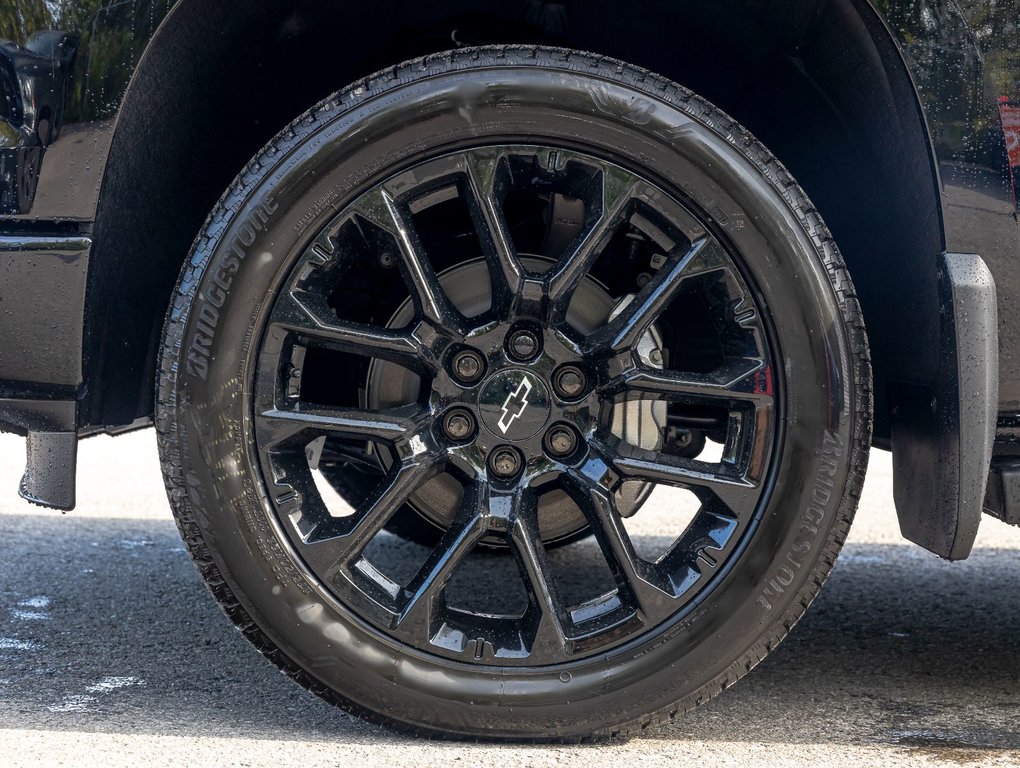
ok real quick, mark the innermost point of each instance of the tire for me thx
(778, 503)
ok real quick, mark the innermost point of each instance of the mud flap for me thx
(52, 448)
(942, 435)
(49, 478)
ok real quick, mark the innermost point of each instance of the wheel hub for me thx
(471, 373)
(523, 411)
(524, 418)
(514, 404)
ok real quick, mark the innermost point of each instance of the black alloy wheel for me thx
(537, 294)
(490, 409)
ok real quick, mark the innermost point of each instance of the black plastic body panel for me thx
(1002, 499)
(26, 414)
(943, 436)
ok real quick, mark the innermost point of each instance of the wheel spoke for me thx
(308, 316)
(338, 543)
(632, 463)
(383, 211)
(616, 188)
(636, 579)
(623, 333)
(739, 379)
(547, 611)
(486, 174)
(278, 426)
(468, 528)
(711, 528)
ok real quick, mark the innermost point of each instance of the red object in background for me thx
(1010, 116)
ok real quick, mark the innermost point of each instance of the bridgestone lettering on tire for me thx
(489, 303)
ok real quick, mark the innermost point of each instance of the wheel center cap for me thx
(514, 404)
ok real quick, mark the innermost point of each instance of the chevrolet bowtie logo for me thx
(515, 405)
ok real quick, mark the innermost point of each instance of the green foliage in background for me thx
(19, 18)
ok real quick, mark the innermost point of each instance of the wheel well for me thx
(820, 82)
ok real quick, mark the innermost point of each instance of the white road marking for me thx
(72, 704)
(82, 703)
(32, 609)
(134, 543)
(108, 684)
(29, 615)
(35, 602)
(14, 644)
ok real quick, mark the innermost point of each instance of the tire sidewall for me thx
(245, 254)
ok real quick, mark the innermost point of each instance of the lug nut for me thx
(570, 381)
(560, 441)
(459, 424)
(505, 462)
(522, 345)
(468, 366)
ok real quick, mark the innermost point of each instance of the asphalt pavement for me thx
(112, 653)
